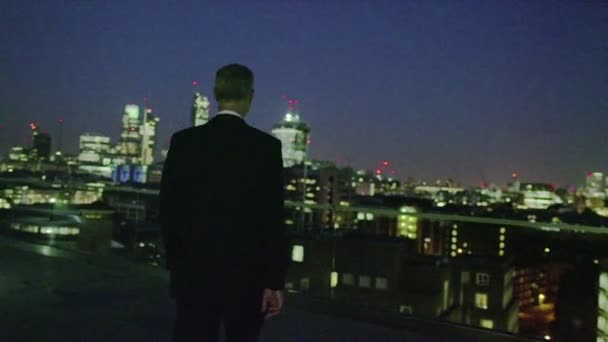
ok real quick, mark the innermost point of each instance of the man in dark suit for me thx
(221, 204)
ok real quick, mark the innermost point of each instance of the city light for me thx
(441, 214)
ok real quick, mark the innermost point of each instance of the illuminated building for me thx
(129, 173)
(294, 136)
(149, 137)
(594, 190)
(200, 109)
(485, 293)
(94, 149)
(319, 182)
(18, 153)
(379, 273)
(407, 222)
(138, 137)
(367, 183)
(594, 185)
(130, 138)
(536, 288)
(404, 224)
(42, 193)
(429, 191)
(91, 225)
(535, 195)
(95, 154)
(335, 189)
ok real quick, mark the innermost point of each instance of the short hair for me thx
(233, 82)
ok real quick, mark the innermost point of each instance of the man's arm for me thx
(169, 205)
(276, 241)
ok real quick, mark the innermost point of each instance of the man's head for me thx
(234, 88)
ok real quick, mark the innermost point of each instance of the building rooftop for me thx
(50, 293)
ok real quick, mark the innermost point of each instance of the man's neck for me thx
(233, 106)
(229, 111)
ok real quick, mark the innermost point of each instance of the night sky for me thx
(471, 90)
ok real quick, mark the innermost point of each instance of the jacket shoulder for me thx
(185, 134)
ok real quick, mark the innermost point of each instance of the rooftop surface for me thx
(54, 294)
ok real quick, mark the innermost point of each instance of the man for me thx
(221, 204)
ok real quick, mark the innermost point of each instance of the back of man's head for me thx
(234, 86)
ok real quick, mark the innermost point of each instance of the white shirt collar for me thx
(229, 112)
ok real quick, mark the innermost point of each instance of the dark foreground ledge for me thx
(53, 294)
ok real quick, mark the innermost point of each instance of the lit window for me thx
(348, 279)
(487, 323)
(333, 279)
(297, 253)
(482, 279)
(381, 283)
(481, 301)
(365, 281)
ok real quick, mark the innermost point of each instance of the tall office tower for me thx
(200, 109)
(42, 144)
(130, 138)
(148, 134)
(294, 135)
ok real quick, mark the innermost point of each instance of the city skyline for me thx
(435, 95)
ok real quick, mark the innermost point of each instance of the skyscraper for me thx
(130, 143)
(200, 109)
(148, 134)
(294, 135)
(42, 145)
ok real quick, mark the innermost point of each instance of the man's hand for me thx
(272, 302)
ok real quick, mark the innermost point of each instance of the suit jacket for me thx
(221, 208)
